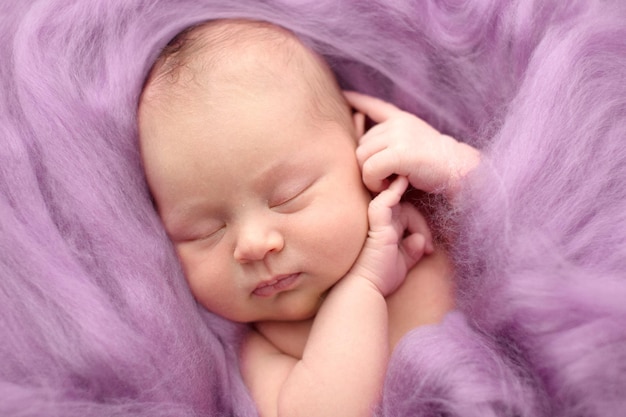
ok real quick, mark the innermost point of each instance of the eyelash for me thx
(209, 235)
(205, 236)
(294, 196)
(283, 201)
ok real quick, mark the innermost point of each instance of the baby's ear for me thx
(358, 119)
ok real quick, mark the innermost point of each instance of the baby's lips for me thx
(276, 285)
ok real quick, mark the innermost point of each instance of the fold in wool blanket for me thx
(95, 317)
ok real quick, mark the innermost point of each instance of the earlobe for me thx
(358, 119)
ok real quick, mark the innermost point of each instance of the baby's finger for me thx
(392, 195)
(415, 224)
(413, 248)
(370, 144)
(377, 110)
(380, 209)
(377, 168)
(397, 188)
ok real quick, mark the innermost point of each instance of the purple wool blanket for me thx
(95, 316)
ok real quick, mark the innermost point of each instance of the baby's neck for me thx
(288, 336)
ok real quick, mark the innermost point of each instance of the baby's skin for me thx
(324, 356)
(287, 215)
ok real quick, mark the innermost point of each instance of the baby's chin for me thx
(301, 312)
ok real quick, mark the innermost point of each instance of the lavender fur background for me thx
(95, 318)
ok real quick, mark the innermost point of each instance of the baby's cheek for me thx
(349, 238)
(186, 258)
(212, 284)
(198, 269)
(190, 269)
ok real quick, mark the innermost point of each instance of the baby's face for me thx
(263, 202)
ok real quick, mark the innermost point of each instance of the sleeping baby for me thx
(287, 215)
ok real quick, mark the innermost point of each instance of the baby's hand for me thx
(398, 237)
(405, 145)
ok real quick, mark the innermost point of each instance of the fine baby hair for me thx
(215, 42)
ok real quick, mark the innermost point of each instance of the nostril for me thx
(255, 247)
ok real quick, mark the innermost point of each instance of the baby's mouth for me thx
(276, 285)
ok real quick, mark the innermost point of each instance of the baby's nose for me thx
(256, 242)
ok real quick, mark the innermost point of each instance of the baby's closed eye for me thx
(292, 196)
(209, 231)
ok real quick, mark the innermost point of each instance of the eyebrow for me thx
(276, 170)
(176, 219)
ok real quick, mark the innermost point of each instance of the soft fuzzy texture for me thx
(95, 317)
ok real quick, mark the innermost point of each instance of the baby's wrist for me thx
(465, 159)
(356, 281)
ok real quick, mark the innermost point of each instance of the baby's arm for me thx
(405, 145)
(344, 361)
